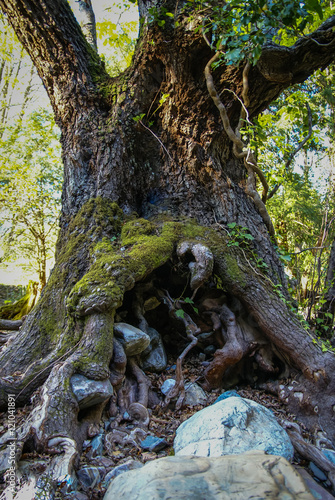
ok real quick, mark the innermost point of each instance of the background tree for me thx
(30, 182)
(185, 160)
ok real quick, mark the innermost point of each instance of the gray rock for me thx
(210, 350)
(235, 477)
(89, 477)
(133, 340)
(167, 385)
(120, 469)
(153, 443)
(232, 426)
(90, 392)
(318, 473)
(97, 446)
(102, 461)
(153, 358)
(194, 394)
(225, 395)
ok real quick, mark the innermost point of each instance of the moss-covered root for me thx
(57, 412)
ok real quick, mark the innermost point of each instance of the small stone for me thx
(225, 395)
(299, 396)
(102, 461)
(204, 337)
(153, 444)
(329, 454)
(97, 446)
(153, 358)
(210, 350)
(167, 385)
(194, 394)
(116, 471)
(90, 392)
(89, 477)
(317, 472)
(202, 356)
(133, 340)
(148, 456)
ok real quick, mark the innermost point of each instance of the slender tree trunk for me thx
(175, 166)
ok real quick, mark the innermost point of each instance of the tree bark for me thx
(178, 169)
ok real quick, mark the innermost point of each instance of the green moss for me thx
(234, 273)
(134, 229)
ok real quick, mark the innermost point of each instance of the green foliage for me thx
(241, 29)
(30, 186)
(118, 38)
(238, 235)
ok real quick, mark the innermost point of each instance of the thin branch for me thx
(158, 139)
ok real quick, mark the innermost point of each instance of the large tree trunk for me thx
(179, 172)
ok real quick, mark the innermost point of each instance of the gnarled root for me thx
(118, 364)
(309, 451)
(191, 330)
(202, 268)
(234, 349)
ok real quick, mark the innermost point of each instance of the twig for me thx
(158, 139)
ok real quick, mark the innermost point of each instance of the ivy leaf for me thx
(180, 313)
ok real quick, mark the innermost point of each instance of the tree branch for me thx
(86, 20)
(51, 35)
(290, 65)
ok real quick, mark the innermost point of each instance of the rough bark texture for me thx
(180, 167)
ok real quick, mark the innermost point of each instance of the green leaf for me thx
(231, 225)
(315, 6)
(180, 313)
(188, 300)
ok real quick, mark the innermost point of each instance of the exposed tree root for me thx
(245, 321)
(309, 451)
(118, 364)
(7, 324)
(191, 330)
(234, 349)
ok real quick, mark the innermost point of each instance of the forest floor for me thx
(163, 424)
